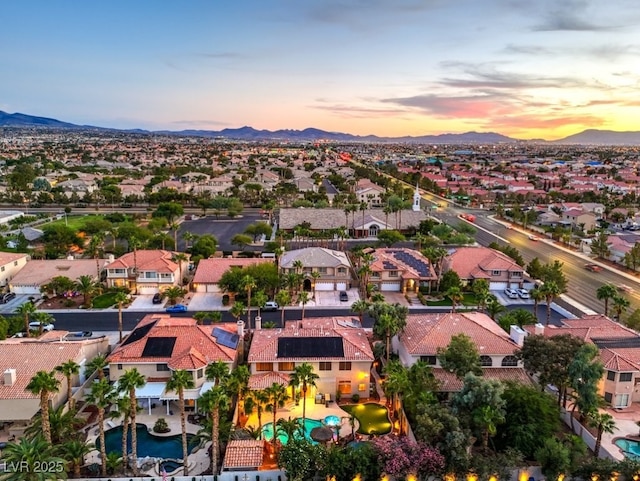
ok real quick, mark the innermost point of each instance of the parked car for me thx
(523, 293)
(593, 267)
(270, 306)
(35, 326)
(157, 298)
(344, 297)
(176, 308)
(6, 297)
(511, 293)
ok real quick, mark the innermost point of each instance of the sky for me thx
(523, 68)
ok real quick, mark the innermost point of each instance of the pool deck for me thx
(626, 427)
(199, 461)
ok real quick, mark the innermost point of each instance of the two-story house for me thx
(146, 271)
(478, 262)
(10, 265)
(400, 270)
(333, 268)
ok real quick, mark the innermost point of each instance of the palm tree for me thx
(277, 394)
(180, 258)
(188, 237)
(237, 384)
(361, 306)
(494, 307)
(174, 227)
(174, 293)
(36, 453)
(123, 408)
(551, 291)
(259, 398)
(488, 417)
(259, 299)
(237, 310)
(98, 363)
(389, 323)
(620, 305)
(95, 248)
(288, 427)
(304, 376)
(212, 401)
(68, 369)
(75, 451)
(44, 384)
(217, 372)
(481, 290)
(43, 318)
(178, 382)
(101, 396)
(283, 298)
(128, 383)
(248, 283)
(604, 423)
(304, 299)
(604, 293)
(63, 424)
(537, 295)
(455, 294)
(120, 298)
(86, 286)
(26, 310)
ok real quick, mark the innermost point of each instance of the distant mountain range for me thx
(586, 137)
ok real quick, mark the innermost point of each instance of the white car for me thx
(523, 293)
(511, 293)
(35, 326)
(270, 306)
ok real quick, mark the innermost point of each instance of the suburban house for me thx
(10, 265)
(38, 273)
(619, 352)
(578, 220)
(333, 268)
(336, 347)
(424, 334)
(369, 192)
(146, 271)
(400, 270)
(161, 344)
(22, 358)
(209, 271)
(478, 262)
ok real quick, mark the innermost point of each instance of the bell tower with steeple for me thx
(416, 200)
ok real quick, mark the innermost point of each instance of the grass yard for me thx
(372, 417)
(76, 222)
(469, 300)
(105, 300)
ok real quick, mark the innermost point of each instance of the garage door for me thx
(390, 287)
(341, 286)
(498, 286)
(324, 286)
(515, 285)
(147, 291)
(212, 288)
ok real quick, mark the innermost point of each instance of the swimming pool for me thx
(332, 420)
(309, 424)
(630, 447)
(170, 466)
(148, 444)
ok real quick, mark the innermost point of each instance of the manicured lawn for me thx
(373, 417)
(76, 222)
(469, 300)
(105, 300)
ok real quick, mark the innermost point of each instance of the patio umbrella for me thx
(322, 434)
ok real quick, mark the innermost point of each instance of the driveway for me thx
(201, 301)
(332, 299)
(145, 303)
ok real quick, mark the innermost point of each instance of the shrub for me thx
(225, 300)
(355, 398)
(161, 426)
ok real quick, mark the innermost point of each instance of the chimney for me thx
(258, 322)
(517, 335)
(111, 258)
(240, 329)
(539, 329)
(9, 377)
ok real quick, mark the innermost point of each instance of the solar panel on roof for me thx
(159, 347)
(310, 347)
(226, 338)
(139, 333)
(620, 342)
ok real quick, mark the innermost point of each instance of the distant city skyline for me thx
(543, 69)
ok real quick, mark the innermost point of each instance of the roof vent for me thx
(10, 377)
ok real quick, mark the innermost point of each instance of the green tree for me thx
(605, 293)
(277, 397)
(248, 283)
(258, 398)
(494, 307)
(97, 363)
(603, 423)
(58, 240)
(585, 372)
(169, 210)
(69, 369)
(387, 238)
(631, 259)
(551, 290)
(554, 458)
(360, 307)
(456, 296)
(535, 268)
(553, 272)
(303, 376)
(600, 245)
(74, 452)
(180, 380)
(43, 384)
(128, 383)
(283, 298)
(450, 279)
(480, 288)
(214, 401)
(389, 320)
(620, 305)
(217, 372)
(86, 286)
(29, 455)
(517, 317)
(304, 299)
(26, 310)
(237, 384)
(204, 247)
(174, 293)
(460, 357)
(241, 240)
(298, 458)
(101, 396)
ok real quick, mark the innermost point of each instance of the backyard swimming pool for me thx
(309, 424)
(630, 447)
(148, 444)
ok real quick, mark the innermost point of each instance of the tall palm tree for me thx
(248, 283)
(35, 452)
(481, 290)
(604, 423)
(237, 384)
(551, 291)
(283, 298)
(620, 305)
(304, 299)
(95, 247)
(259, 398)
(537, 295)
(277, 394)
(174, 227)
(213, 401)
(217, 372)
(178, 382)
(101, 396)
(68, 369)
(604, 293)
(188, 237)
(456, 296)
(120, 298)
(128, 383)
(123, 408)
(74, 451)
(180, 258)
(63, 424)
(98, 363)
(86, 286)
(44, 384)
(43, 318)
(26, 310)
(304, 376)
(237, 310)
(361, 306)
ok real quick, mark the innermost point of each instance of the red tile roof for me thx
(448, 382)
(478, 262)
(266, 379)
(146, 260)
(243, 453)
(210, 271)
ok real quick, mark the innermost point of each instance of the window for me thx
(516, 274)
(486, 361)
(2, 269)
(622, 401)
(510, 361)
(264, 366)
(496, 273)
(626, 376)
(375, 275)
(345, 366)
(15, 263)
(362, 387)
(150, 275)
(162, 367)
(344, 387)
(324, 366)
(431, 360)
(200, 373)
(393, 273)
(608, 397)
(322, 270)
(342, 270)
(119, 366)
(286, 366)
(611, 375)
